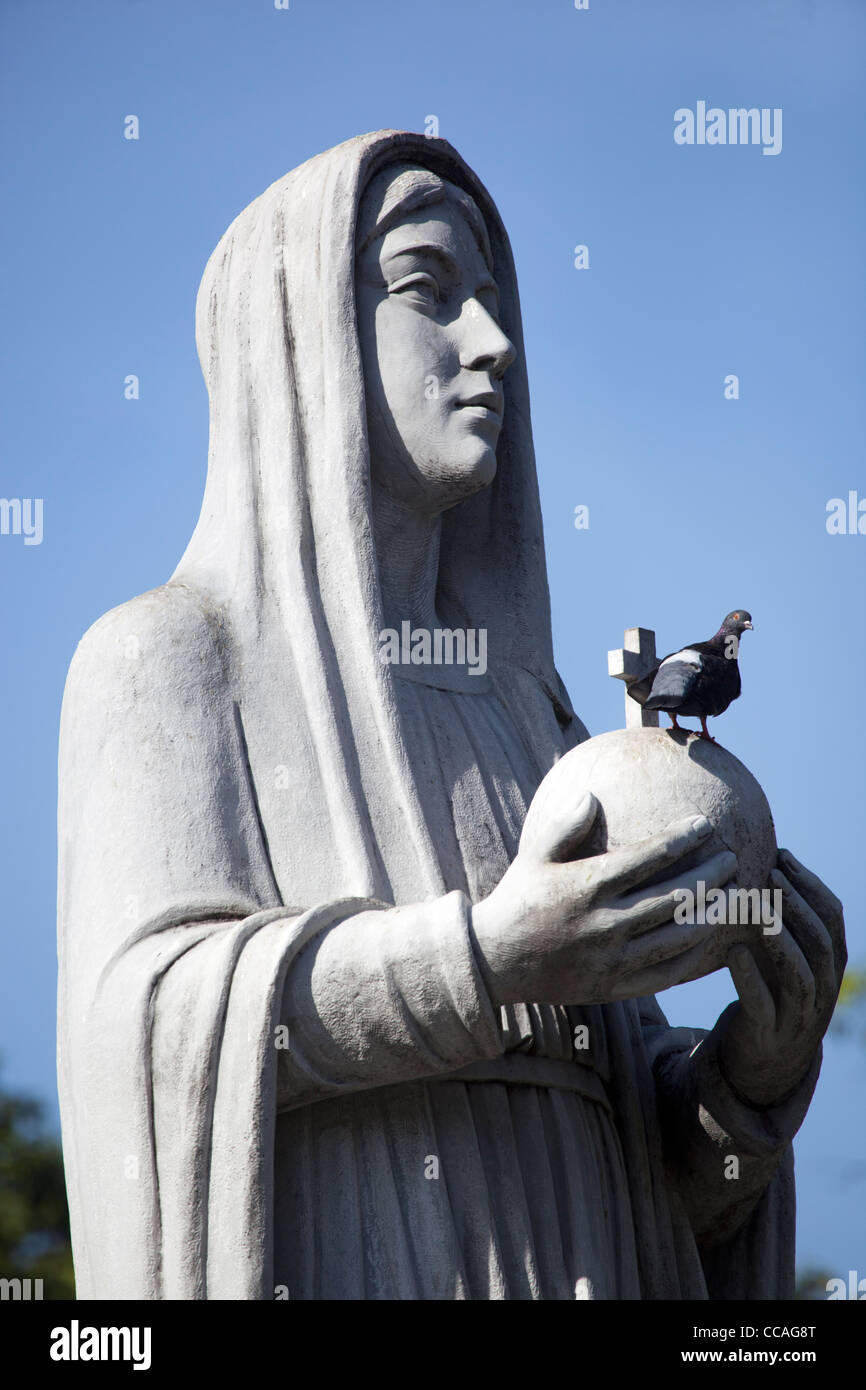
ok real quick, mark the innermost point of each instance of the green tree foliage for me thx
(34, 1221)
(812, 1284)
(849, 1020)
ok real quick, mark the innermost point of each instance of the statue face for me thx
(434, 358)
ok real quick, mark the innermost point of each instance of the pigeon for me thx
(699, 680)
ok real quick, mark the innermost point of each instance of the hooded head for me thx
(285, 544)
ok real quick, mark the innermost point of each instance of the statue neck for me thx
(407, 546)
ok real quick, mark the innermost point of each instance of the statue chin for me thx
(442, 486)
(482, 474)
(473, 470)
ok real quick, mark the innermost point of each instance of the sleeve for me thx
(721, 1152)
(382, 997)
(166, 905)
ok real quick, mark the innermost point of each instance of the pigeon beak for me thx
(750, 626)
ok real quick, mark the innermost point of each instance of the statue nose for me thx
(485, 347)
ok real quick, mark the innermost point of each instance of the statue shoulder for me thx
(168, 641)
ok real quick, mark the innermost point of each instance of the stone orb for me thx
(644, 779)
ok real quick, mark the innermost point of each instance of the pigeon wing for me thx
(675, 680)
(639, 690)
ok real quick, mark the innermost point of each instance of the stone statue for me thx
(324, 1032)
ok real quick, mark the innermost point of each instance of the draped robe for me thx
(280, 1072)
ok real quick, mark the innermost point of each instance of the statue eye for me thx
(419, 283)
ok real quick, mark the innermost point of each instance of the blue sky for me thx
(704, 261)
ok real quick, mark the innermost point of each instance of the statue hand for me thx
(581, 931)
(768, 1039)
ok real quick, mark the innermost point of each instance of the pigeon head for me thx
(737, 623)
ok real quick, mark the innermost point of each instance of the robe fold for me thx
(280, 1073)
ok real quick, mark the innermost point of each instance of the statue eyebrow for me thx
(428, 249)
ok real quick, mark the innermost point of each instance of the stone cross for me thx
(634, 660)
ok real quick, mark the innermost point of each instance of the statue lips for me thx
(488, 401)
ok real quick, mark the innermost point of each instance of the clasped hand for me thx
(566, 930)
(788, 984)
(558, 929)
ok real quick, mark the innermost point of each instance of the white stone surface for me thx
(646, 778)
(299, 951)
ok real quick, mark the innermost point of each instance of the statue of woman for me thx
(318, 1016)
